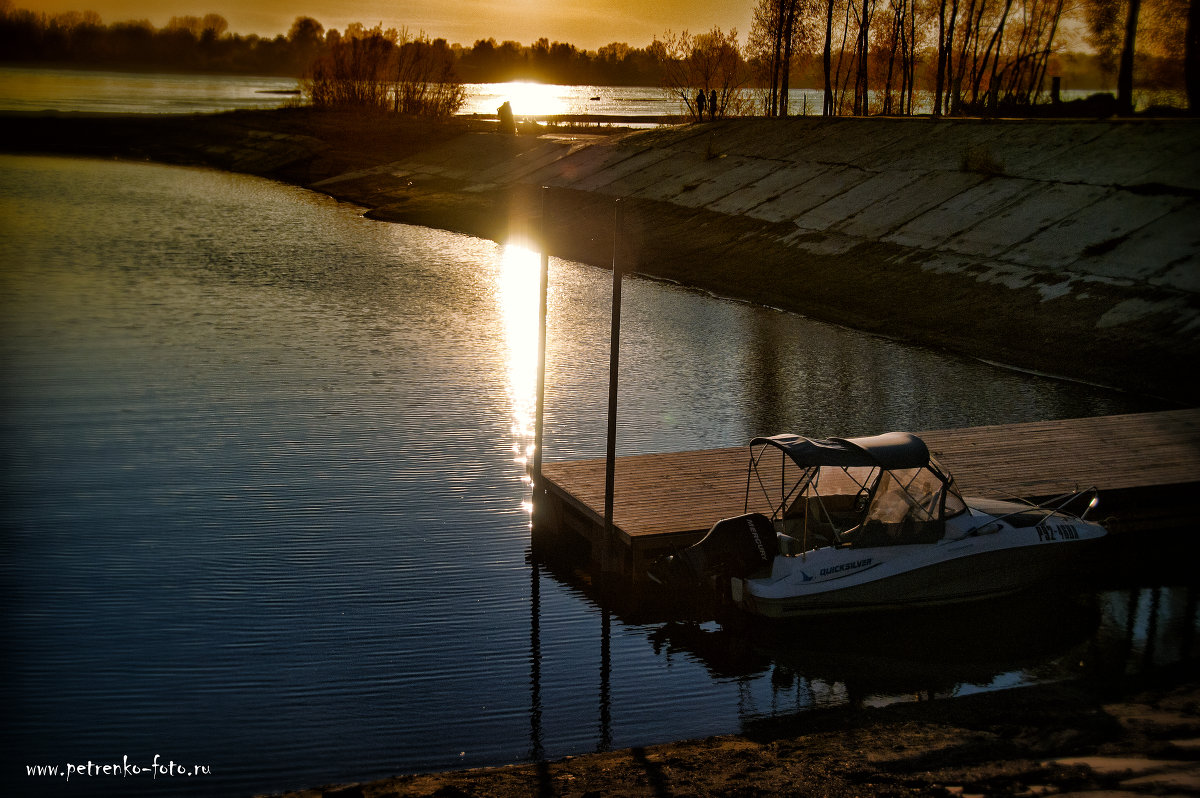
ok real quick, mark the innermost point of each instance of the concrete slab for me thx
(1155, 719)
(781, 179)
(842, 144)
(1025, 148)
(394, 169)
(618, 170)
(897, 207)
(1106, 159)
(1034, 212)
(856, 201)
(663, 180)
(713, 138)
(1111, 219)
(461, 157)
(792, 140)
(821, 188)
(1187, 745)
(1165, 252)
(1185, 780)
(525, 163)
(960, 212)
(579, 164)
(933, 145)
(1117, 765)
(728, 176)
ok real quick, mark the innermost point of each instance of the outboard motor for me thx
(733, 547)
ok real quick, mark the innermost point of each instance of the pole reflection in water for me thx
(605, 680)
(1146, 628)
(536, 749)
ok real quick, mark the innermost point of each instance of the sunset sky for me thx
(587, 24)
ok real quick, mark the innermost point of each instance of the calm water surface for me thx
(264, 506)
(100, 91)
(39, 89)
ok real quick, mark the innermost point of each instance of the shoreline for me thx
(1138, 737)
(1127, 334)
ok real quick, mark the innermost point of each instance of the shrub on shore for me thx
(387, 72)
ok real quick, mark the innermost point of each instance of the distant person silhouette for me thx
(712, 104)
(700, 105)
(508, 123)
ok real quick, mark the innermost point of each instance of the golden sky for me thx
(587, 24)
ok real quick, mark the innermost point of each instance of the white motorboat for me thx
(875, 523)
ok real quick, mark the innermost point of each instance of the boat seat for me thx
(825, 516)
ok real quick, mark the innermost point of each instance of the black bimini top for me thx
(891, 450)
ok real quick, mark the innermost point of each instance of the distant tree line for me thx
(186, 43)
(866, 56)
(205, 44)
(614, 64)
(968, 56)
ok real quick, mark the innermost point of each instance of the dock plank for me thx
(677, 493)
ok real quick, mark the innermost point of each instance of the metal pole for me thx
(614, 356)
(539, 413)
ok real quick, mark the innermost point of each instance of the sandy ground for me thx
(1120, 740)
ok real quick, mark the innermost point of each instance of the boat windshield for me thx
(824, 502)
(864, 491)
(909, 505)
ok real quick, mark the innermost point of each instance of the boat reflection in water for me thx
(877, 659)
(1093, 631)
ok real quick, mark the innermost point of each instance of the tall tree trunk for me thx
(860, 76)
(1043, 58)
(1125, 73)
(940, 84)
(897, 35)
(970, 31)
(786, 65)
(992, 52)
(1191, 57)
(912, 51)
(827, 105)
(775, 54)
(951, 24)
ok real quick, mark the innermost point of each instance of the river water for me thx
(264, 507)
(32, 89)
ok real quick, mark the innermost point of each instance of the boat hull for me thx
(830, 581)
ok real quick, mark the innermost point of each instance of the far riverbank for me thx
(1056, 246)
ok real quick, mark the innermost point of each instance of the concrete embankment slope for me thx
(1071, 247)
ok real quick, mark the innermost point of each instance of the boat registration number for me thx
(1053, 532)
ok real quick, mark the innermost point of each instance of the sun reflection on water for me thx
(533, 99)
(517, 284)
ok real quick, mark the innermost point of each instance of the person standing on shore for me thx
(700, 105)
(712, 104)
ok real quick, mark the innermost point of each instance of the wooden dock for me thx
(1146, 467)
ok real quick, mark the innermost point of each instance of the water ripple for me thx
(262, 498)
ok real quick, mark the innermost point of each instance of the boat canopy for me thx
(892, 450)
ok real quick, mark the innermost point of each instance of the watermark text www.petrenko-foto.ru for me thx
(157, 769)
